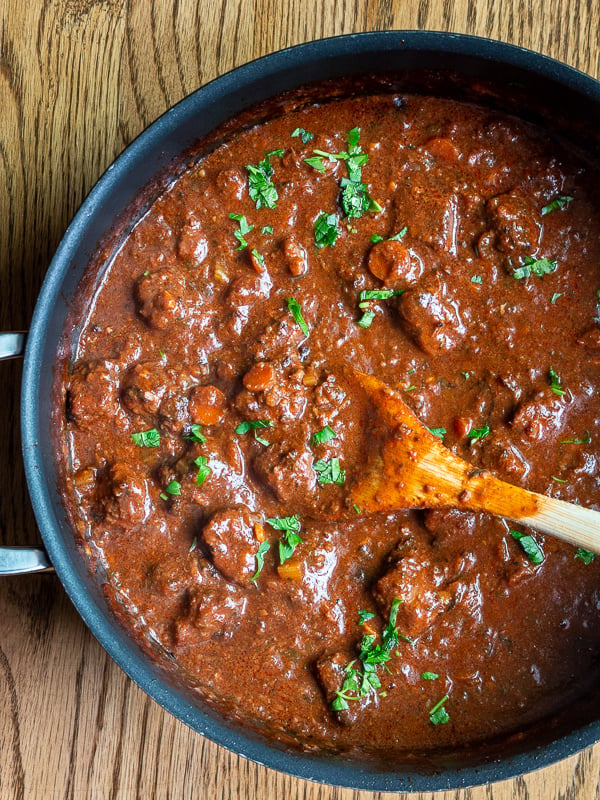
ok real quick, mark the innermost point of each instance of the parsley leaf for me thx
(174, 488)
(322, 436)
(555, 383)
(367, 297)
(254, 425)
(366, 319)
(203, 469)
(531, 548)
(326, 230)
(355, 199)
(441, 432)
(477, 279)
(196, 435)
(479, 433)
(555, 297)
(585, 555)
(586, 439)
(438, 714)
(364, 616)
(316, 162)
(149, 438)
(291, 538)
(263, 548)
(539, 267)
(266, 229)
(304, 135)
(296, 310)
(260, 187)
(559, 202)
(329, 471)
(244, 228)
(429, 676)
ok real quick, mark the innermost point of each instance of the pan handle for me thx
(19, 560)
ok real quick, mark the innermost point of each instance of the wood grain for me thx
(78, 80)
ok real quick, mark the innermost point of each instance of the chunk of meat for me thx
(230, 537)
(432, 318)
(213, 610)
(505, 458)
(128, 499)
(280, 337)
(192, 244)
(144, 387)
(395, 264)
(420, 585)
(158, 297)
(231, 183)
(331, 673)
(540, 415)
(449, 523)
(513, 219)
(288, 473)
(93, 393)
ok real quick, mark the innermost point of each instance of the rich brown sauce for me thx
(186, 329)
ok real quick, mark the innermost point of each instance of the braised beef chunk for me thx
(421, 588)
(211, 429)
(231, 539)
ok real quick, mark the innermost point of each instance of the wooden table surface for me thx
(78, 80)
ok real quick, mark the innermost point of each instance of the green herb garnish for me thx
(479, 433)
(364, 616)
(296, 310)
(304, 135)
(263, 548)
(366, 319)
(585, 555)
(555, 383)
(243, 229)
(366, 303)
(291, 538)
(558, 203)
(149, 438)
(203, 469)
(555, 297)
(260, 187)
(259, 258)
(539, 267)
(477, 279)
(329, 471)
(355, 199)
(174, 488)
(586, 440)
(441, 432)
(326, 230)
(266, 229)
(356, 508)
(254, 425)
(196, 435)
(531, 548)
(316, 162)
(322, 436)
(429, 676)
(558, 480)
(438, 714)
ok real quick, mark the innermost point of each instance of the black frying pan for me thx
(532, 85)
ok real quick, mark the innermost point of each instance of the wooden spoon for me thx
(412, 469)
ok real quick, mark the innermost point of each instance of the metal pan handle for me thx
(19, 560)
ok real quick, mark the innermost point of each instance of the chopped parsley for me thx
(326, 230)
(259, 258)
(555, 383)
(558, 203)
(254, 425)
(355, 199)
(243, 229)
(555, 297)
(585, 555)
(173, 489)
(322, 436)
(291, 535)
(477, 279)
(366, 303)
(429, 676)
(316, 162)
(149, 438)
(356, 508)
(558, 480)
(539, 267)
(266, 229)
(329, 471)
(263, 548)
(304, 135)
(193, 545)
(363, 681)
(296, 310)
(364, 616)
(466, 375)
(260, 187)
(530, 546)
(479, 433)
(586, 440)
(438, 714)
(441, 432)
(196, 435)
(203, 469)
